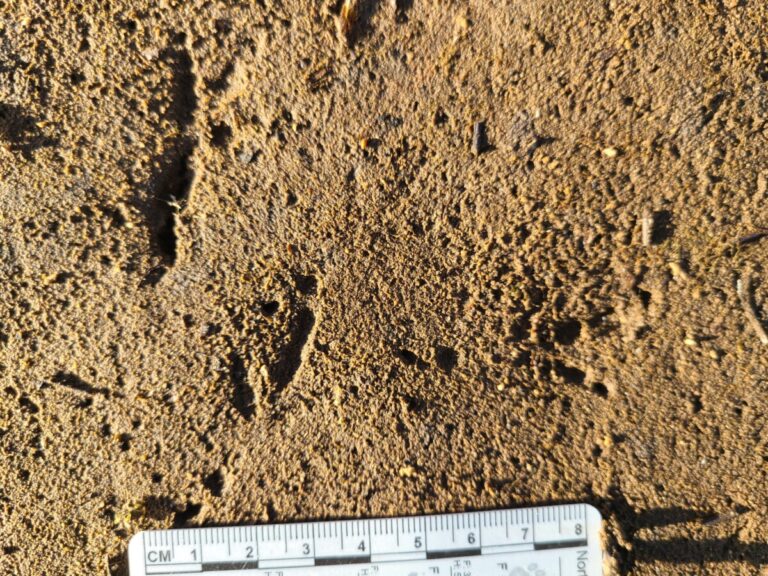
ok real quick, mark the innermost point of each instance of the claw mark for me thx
(175, 174)
(291, 356)
(242, 396)
(74, 382)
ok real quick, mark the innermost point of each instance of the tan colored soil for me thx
(252, 272)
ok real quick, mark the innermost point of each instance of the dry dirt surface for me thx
(253, 270)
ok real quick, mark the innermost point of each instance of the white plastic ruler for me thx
(544, 541)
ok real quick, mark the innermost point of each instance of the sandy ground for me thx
(253, 271)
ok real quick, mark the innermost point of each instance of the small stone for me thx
(460, 27)
(407, 471)
(150, 54)
(338, 395)
(690, 341)
(610, 152)
(678, 271)
(245, 155)
(697, 292)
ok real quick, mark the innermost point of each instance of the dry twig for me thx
(647, 226)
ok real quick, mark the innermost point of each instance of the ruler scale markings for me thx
(482, 537)
(314, 548)
(586, 519)
(479, 533)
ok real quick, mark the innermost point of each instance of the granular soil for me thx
(259, 265)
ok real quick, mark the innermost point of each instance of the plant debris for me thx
(647, 222)
(754, 237)
(479, 139)
(348, 16)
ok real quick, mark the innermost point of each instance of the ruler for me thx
(544, 541)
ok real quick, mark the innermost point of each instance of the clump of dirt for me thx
(274, 261)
